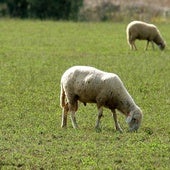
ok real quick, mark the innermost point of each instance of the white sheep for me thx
(144, 31)
(90, 85)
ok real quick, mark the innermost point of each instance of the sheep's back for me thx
(141, 30)
(87, 83)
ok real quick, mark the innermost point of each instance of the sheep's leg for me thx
(118, 128)
(100, 114)
(64, 116)
(74, 108)
(131, 42)
(73, 119)
(133, 46)
(152, 45)
(147, 44)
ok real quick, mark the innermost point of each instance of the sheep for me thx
(90, 85)
(144, 31)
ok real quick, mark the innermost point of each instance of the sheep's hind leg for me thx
(73, 109)
(132, 45)
(118, 128)
(73, 120)
(64, 116)
(135, 48)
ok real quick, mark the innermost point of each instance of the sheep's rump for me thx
(87, 83)
(141, 30)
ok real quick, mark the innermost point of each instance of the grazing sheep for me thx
(90, 85)
(144, 31)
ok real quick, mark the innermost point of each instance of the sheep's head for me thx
(161, 46)
(160, 42)
(134, 119)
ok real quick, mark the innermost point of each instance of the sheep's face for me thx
(161, 46)
(134, 120)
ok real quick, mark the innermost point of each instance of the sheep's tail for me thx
(62, 97)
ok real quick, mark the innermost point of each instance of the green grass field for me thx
(34, 55)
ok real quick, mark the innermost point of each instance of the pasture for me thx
(34, 55)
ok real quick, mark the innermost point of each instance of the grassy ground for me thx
(34, 55)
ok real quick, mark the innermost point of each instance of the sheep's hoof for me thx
(75, 127)
(98, 130)
(133, 131)
(63, 126)
(119, 130)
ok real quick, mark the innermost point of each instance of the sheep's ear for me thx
(129, 118)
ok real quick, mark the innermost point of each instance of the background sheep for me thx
(90, 85)
(144, 31)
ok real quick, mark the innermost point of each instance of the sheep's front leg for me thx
(118, 128)
(152, 45)
(100, 114)
(64, 116)
(147, 44)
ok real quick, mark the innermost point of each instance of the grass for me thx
(34, 55)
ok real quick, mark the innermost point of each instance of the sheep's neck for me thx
(126, 105)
